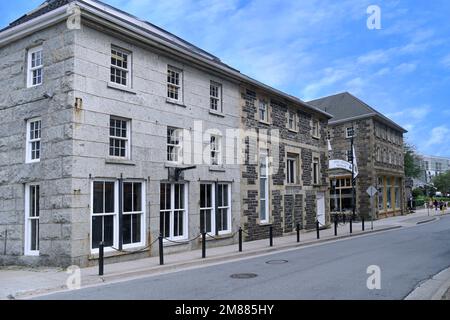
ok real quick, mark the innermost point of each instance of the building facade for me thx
(378, 145)
(115, 131)
(432, 166)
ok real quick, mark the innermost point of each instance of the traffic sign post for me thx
(371, 191)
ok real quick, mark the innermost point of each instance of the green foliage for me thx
(412, 162)
(417, 193)
(442, 182)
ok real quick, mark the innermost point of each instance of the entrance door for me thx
(321, 208)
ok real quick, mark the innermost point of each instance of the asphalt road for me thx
(335, 270)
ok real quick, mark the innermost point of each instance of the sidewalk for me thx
(18, 282)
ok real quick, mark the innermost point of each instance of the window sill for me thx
(316, 137)
(120, 162)
(173, 165)
(292, 130)
(217, 169)
(225, 236)
(175, 102)
(32, 161)
(112, 85)
(264, 122)
(216, 113)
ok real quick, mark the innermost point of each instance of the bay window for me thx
(212, 199)
(173, 210)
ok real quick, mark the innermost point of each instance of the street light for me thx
(353, 175)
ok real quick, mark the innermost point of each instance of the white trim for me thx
(179, 87)
(172, 212)
(128, 70)
(127, 139)
(213, 207)
(217, 98)
(30, 69)
(143, 213)
(29, 141)
(115, 214)
(27, 229)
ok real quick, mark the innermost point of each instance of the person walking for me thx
(436, 204)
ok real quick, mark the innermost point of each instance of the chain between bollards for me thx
(271, 236)
(101, 253)
(240, 239)
(298, 232)
(161, 250)
(203, 245)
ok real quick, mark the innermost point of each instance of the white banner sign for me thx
(342, 164)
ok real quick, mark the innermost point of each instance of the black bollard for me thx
(335, 224)
(344, 218)
(203, 245)
(351, 225)
(298, 232)
(101, 253)
(271, 236)
(161, 250)
(317, 229)
(240, 239)
(363, 226)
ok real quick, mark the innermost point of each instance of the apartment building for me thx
(116, 131)
(378, 144)
(432, 166)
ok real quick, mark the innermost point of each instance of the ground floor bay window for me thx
(264, 187)
(32, 219)
(133, 222)
(173, 211)
(104, 214)
(215, 208)
(389, 194)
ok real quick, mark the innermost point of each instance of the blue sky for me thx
(314, 48)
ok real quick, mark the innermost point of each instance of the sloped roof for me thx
(346, 107)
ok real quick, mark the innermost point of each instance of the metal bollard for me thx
(317, 230)
(240, 239)
(271, 235)
(203, 245)
(298, 232)
(363, 226)
(335, 224)
(101, 253)
(161, 250)
(351, 225)
(344, 218)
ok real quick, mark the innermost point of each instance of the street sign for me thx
(372, 191)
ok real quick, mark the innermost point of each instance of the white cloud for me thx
(439, 135)
(406, 68)
(446, 61)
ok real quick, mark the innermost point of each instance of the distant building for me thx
(378, 145)
(432, 166)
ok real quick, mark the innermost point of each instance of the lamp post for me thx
(353, 175)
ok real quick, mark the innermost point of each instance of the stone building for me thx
(284, 178)
(378, 143)
(114, 130)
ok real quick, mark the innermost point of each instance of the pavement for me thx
(17, 282)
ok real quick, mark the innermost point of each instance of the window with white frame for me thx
(32, 219)
(104, 214)
(133, 213)
(35, 67)
(292, 167)
(174, 145)
(215, 146)
(350, 132)
(316, 171)
(264, 187)
(210, 197)
(119, 137)
(215, 96)
(173, 210)
(120, 66)
(315, 129)
(263, 111)
(292, 120)
(174, 84)
(33, 148)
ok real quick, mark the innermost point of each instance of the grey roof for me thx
(345, 107)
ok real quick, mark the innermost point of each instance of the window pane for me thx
(109, 197)
(136, 228)
(128, 197)
(178, 223)
(126, 228)
(97, 227)
(137, 197)
(262, 209)
(108, 226)
(205, 220)
(34, 235)
(98, 197)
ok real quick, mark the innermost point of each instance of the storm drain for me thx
(277, 261)
(244, 275)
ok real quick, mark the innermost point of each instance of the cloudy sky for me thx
(314, 48)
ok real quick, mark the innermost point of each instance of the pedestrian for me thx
(436, 203)
(441, 206)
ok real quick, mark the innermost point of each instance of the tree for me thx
(412, 162)
(442, 182)
(418, 192)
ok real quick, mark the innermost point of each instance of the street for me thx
(335, 270)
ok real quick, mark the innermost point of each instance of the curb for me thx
(93, 280)
(433, 288)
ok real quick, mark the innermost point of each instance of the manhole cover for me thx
(244, 275)
(276, 261)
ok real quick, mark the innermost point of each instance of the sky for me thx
(315, 48)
